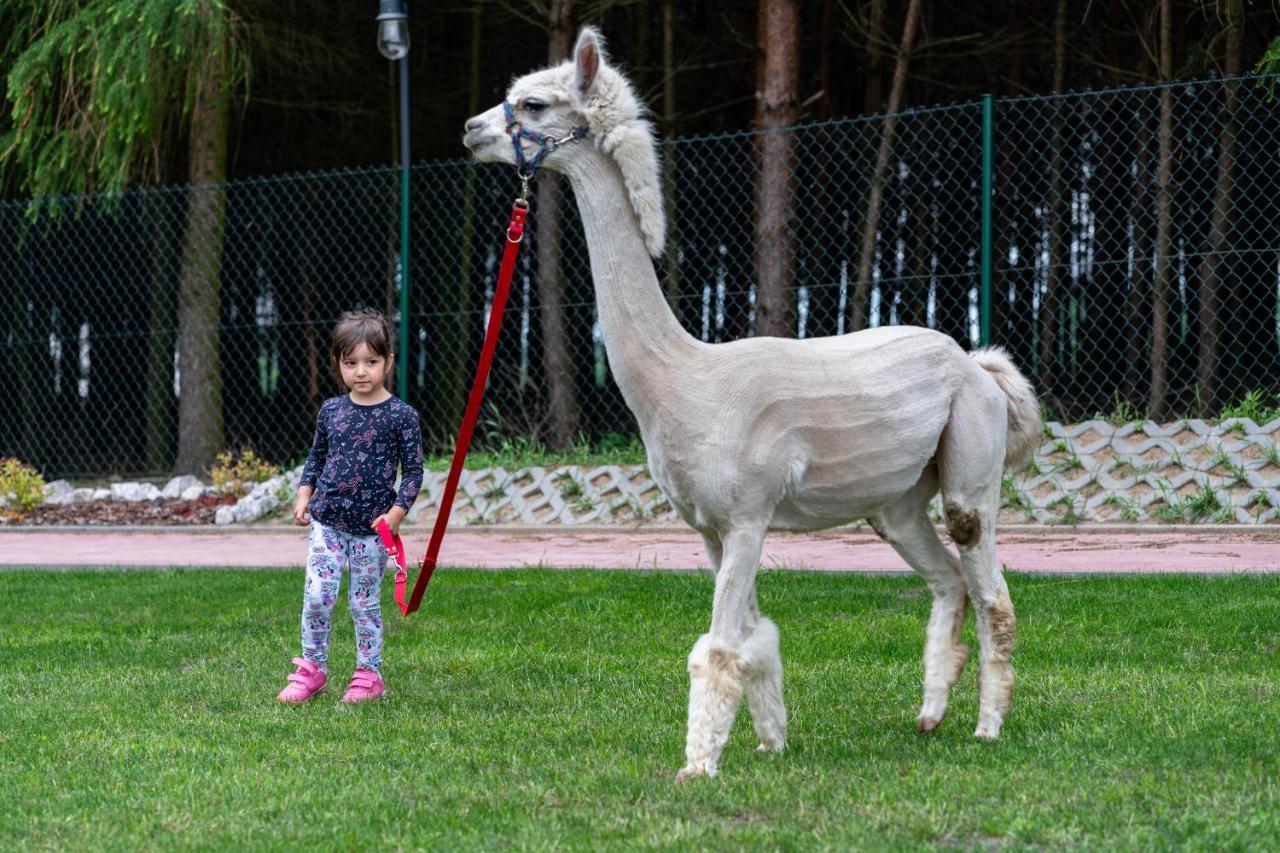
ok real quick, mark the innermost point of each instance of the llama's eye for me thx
(533, 106)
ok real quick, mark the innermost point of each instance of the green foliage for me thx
(570, 488)
(1269, 64)
(1204, 505)
(1126, 508)
(21, 486)
(1011, 497)
(97, 90)
(237, 472)
(521, 452)
(1122, 412)
(1254, 406)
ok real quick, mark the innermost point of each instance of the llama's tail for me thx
(1025, 427)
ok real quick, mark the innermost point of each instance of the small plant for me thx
(1071, 463)
(1126, 508)
(235, 473)
(582, 505)
(21, 486)
(1122, 412)
(1011, 497)
(1235, 471)
(570, 488)
(1066, 505)
(1272, 453)
(1204, 505)
(639, 510)
(1260, 504)
(1253, 406)
(497, 490)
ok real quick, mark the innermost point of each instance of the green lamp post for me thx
(393, 43)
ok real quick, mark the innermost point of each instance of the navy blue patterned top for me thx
(352, 464)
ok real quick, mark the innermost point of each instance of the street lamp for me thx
(393, 43)
(393, 28)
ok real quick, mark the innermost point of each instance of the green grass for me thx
(538, 709)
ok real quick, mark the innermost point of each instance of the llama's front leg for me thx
(718, 671)
(762, 666)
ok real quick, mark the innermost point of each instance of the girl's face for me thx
(363, 370)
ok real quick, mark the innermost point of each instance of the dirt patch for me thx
(104, 513)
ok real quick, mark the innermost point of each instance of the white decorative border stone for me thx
(1186, 471)
(185, 487)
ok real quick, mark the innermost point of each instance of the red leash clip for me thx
(395, 551)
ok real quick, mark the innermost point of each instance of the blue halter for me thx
(546, 144)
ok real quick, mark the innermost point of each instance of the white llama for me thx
(776, 434)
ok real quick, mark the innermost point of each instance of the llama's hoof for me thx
(987, 731)
(927, 724)
(770, 747)
(691, 772)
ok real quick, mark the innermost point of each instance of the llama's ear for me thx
(586, 62)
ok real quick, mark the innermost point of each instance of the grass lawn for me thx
(538, 709)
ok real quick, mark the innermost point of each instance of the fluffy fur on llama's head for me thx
(584, 91)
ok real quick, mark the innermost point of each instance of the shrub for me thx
(235, 472)
(21, 486)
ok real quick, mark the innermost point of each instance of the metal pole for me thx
(984, 298)
(402, 361)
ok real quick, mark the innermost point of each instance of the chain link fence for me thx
(1130, 267)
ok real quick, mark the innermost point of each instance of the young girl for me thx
(347, 488)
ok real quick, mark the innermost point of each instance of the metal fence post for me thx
(984, 296)
(402, 361)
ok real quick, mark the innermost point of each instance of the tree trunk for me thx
(1158, 399)
(557, 365)
(877, 39)
(450, 361)
(775, 259)
(200, 434)
(1208, 377)
(866, 250)
(1049, 303)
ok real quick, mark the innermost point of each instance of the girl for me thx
(347, 487)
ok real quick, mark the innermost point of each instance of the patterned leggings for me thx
(329, 550)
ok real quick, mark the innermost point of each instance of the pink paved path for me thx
(1095, 549)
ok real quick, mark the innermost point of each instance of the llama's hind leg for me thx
(906, 526)
(718, 671)
(971, 465)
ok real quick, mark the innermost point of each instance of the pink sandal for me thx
(365, 685)
(305, 682)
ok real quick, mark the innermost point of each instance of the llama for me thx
(779, 434)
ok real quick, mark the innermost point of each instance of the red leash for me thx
(395, 550)
(515, 233)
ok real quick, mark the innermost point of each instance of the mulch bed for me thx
(165, 511)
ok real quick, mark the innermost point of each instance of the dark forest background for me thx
(216, 185)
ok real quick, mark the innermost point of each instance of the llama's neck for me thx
(645, 342)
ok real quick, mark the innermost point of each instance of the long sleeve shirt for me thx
(353, 460)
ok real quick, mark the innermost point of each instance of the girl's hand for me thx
(392, 517)
(301, 510)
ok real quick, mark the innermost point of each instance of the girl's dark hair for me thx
(365, 326)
